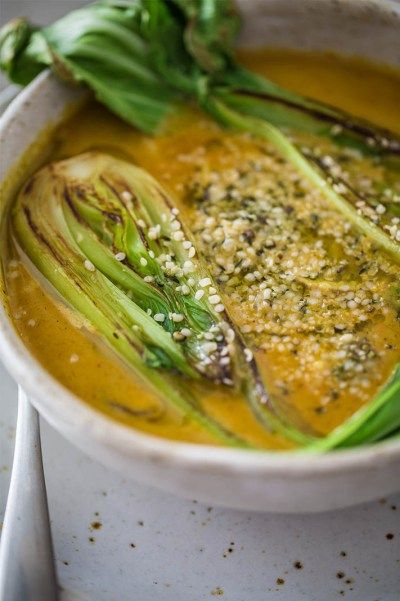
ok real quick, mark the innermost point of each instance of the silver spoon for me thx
(27, 570)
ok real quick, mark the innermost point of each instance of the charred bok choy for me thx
(111, 243)
(141, 58)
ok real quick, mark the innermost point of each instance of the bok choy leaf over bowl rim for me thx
(201, 66)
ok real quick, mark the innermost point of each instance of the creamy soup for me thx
(316, 303)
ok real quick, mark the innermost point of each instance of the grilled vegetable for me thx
(111, 243)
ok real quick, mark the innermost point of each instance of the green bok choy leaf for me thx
(377, 420)
(141, 57)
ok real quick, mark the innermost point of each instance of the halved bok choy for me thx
(110, 241)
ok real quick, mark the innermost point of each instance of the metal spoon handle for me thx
(27, 570)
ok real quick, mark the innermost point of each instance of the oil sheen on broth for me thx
(306, 290)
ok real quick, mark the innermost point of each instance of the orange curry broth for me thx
(96, 376)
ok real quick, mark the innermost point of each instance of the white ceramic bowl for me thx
(235, 478)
